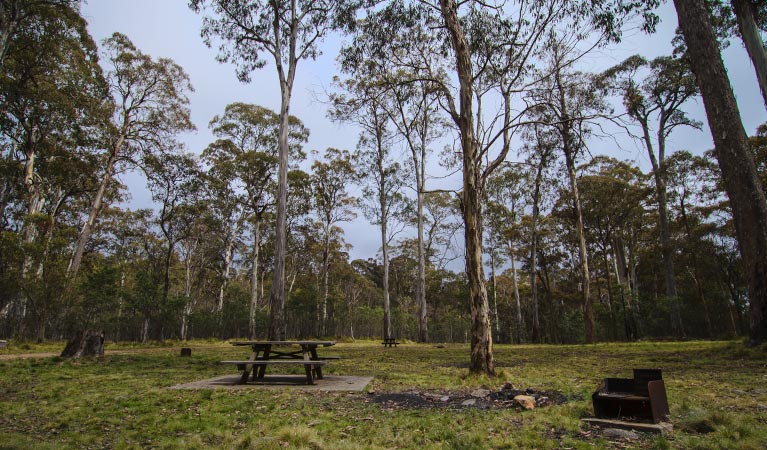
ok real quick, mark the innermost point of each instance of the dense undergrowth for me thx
(717, 393)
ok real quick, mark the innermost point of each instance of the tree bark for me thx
(385, 250)
(494, 277)
(187, 312)
(420, 287)
(624, 285)
(254, 278)
(85, 343)
(323, 319)
(536, 332)
(277, 293)
(228, 257)
(471, 199)
(517, 299)
(746, 17)
(747, 199)
(85, 232)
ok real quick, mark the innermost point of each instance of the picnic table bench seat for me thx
(311, 367)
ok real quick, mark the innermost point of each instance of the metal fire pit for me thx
(642, 398)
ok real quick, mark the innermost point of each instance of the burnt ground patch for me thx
(479, 398)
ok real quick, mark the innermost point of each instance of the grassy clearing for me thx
(717, 392)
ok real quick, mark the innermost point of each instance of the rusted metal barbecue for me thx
(642, 398)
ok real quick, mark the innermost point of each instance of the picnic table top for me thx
(301, 343)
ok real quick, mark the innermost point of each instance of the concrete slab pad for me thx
(328, 383)
(660, 428)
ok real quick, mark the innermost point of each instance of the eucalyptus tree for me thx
(16, 14)
(196, 261)
(174, 179)
(441, 225)
(540, 147)
(332, 204)
(747, 196)
(568, 103)
(687, 174)
(251, 33)
(228, 210)
(614, 195)
(658, 98)
(151, 108)
(505, 196)
(488, 48)
(244, 157)
(51, 91)
(403, 79)
(364, 103)
(743, 18)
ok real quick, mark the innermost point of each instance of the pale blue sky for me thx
(167, 28)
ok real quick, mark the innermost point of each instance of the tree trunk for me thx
(254, 278)
(471, 199)
(586, 304)
(495, 294)
(741, 181)
(569, 151)
(277, 293)
(228, 256)
(85, 343)
(695, 273)
(745, 13)
(420, 286)
(517, 299)
(536, 335)
(85, 232)
(610, 308)
(624, 285)
(385, 250)
(322, 325)
(187, 312)
(667, 250)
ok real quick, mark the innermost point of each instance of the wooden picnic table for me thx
(265, 353)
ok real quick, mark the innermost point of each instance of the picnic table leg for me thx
(245, 374)
(309, 374)
(317, 369)
(262, 369)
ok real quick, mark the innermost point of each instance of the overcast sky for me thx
(167, 28)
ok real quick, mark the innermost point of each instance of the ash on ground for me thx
(507, 397)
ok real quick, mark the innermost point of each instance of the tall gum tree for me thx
(741, 181)
(287, 32)
(151, 107)
(567, 104)
(655, 102)
(489, 52)
(412, 102)
(246, 149)
(51, 106)
(364, 103)
(332, 205)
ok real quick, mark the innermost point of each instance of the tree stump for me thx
(85, 343)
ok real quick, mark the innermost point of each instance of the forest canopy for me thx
(560, 244)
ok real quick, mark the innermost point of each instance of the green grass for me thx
(717, 392)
